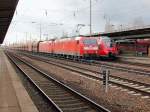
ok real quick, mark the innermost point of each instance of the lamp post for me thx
(43, 30)
(26, 34)
(90, 17)
(40, 29)
(54, 25)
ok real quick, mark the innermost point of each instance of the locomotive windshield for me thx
(108, 41)
(90, 41)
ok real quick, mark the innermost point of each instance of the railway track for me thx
(134, 63)
(116, 66)
(137, 87)
(61, 96)
(109, 65)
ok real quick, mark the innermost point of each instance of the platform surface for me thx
(144, 60)
(13, 96)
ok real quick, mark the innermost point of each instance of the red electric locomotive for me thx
(78, 47)
(107, 47)
(46, 47)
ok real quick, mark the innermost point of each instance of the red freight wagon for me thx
(143, 41)
(58, 47)
(77, 46)
(46, 47)
(35, 46)
(29, 46)
(24, 47)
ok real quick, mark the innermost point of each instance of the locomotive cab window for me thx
(90, 41)
(108, 41)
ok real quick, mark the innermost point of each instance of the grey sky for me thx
(31, 13)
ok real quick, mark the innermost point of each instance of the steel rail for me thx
(101, 108)
(100, 78)
(46, 60)
(105, 64)
(57, 108)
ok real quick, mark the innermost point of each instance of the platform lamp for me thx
(91, 16)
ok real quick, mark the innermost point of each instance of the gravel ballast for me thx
(117, 99)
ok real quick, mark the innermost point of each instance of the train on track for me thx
(135, 47)
(76, 47)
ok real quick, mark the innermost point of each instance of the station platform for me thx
(143, 60)
(13, 96)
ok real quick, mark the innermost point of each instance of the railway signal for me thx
(105, 74)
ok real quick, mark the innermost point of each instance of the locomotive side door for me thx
(77, 48)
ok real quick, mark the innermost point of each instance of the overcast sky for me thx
(57, 17)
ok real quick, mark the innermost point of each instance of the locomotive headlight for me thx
(86, 48)
(90, 48)
(95, 48)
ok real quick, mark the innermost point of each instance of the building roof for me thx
(7, 9)
(135, 33)
(130, 34)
